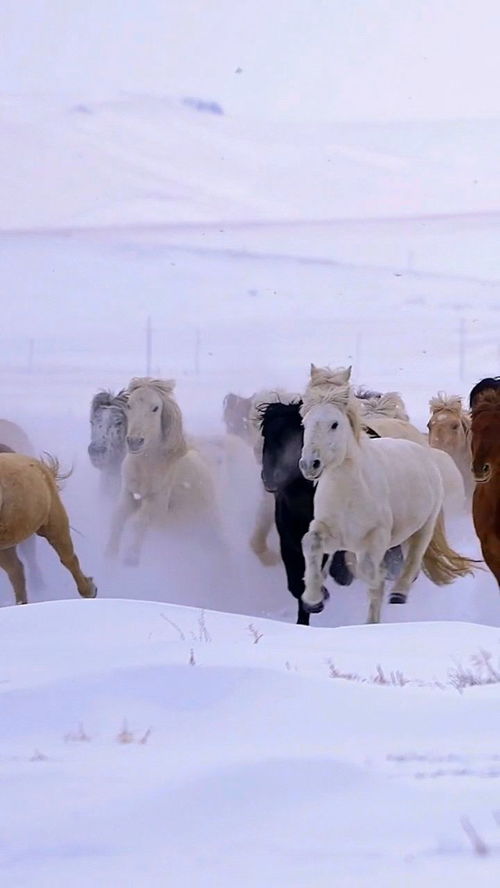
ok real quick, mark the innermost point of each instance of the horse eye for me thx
(455, 426)
(155, 408)
(334, 425)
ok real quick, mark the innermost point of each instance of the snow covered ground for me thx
(180, 730)
(147, 744)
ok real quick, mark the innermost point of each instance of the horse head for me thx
(331, 419)
(489, 383)
(108, 429)
(485, 435)
(235, 414)
(154, 419)
(448, 425)
(282, 433)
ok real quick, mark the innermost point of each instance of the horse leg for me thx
(28, 548)
(263, 523)
(56, 532)
(14, 569)
(126, 507)
(417, 547)
(314, 547)
(139, 524)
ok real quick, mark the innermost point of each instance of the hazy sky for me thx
(328, 59)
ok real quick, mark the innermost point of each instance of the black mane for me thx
(489, 382)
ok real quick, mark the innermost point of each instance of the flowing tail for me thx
(53, 469)
(441, 563)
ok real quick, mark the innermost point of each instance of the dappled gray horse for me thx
(108, 429)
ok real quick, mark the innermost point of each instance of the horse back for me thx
(25, 497)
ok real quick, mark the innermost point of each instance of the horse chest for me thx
(343, 504)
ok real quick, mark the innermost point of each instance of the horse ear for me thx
(348, 373)
(314, 370)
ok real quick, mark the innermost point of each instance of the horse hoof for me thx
(92, 591)
(397, 598)
(268, 558)
(325, 593)
(313, 608)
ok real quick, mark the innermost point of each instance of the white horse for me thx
(163, 479)
(371, 495)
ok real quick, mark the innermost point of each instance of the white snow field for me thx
(147, 744)
(180, 731)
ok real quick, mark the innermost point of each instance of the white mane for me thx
(327, 386)
(449, 403)
(389, 404)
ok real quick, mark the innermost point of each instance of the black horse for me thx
(293, 495)
(283, 436)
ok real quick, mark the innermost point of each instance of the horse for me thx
(235, 413)
(282, 435)
(388, 404)
(108, 429)
(383, 415)
(489, 383)
(371, 495)
(449, 430)
(242, 418)
(485, 446)
(162, 476)
(28, 546)
(29, 504)
(15, 440)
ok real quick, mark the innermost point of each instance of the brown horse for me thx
(485, 444)
(30, 503)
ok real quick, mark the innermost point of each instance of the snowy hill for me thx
(146, 160)
(148, 744)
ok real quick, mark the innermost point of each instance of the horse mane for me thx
(260, 401)
(366, 394)
(389, 404)
(107, 398)
(487, 400)
(443, 403)
(327, 386)
(279, 408)
(489, 383)
(171, 415)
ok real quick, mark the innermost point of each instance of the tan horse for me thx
(30, 503)
(14, 439)
(449, 430)
(163, 478)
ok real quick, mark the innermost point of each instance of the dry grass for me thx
(480, 672)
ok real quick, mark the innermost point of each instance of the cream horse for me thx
(371, 495)
(449, 430)
(386, 415)
(163, 479)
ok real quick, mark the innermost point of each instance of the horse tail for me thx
(52, 469)
(441, 563)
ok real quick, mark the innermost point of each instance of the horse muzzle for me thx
(97, 455)
(311, 469)
(135, 445)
